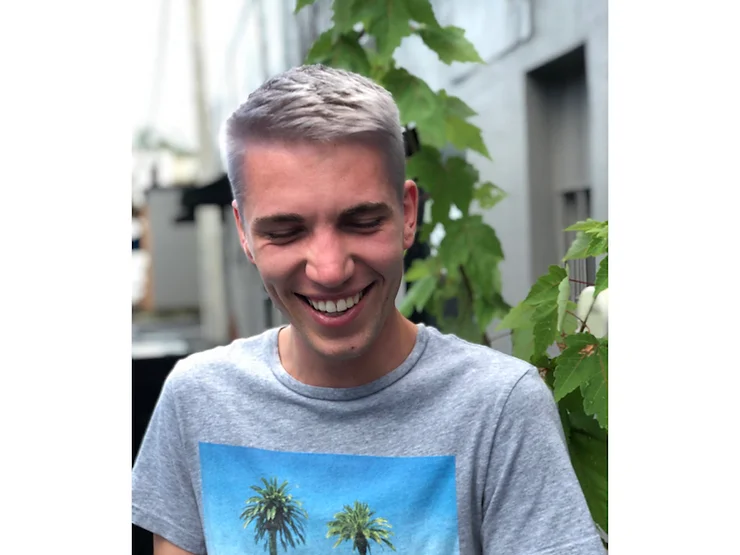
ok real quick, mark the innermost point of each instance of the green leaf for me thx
(595, 395)
(588, 448)
(366, 12)
(519, 317)
(390, 29)
(465, 135)
(450, 44)
(562, 300)
(418, 270)
(321, 48)
(450, 183)
(345, 52)
(427, 167)
(418, 104)
(576, 364)
(545, 331)
(485, 281)
(545, 289)
(482, 236)
(583, 364)
(579, 247)
(486, 307)
(589, 456)
(592, 239)
(592, 227)
(460, 181)
(455, 107)
(454, 250)
(467, 237)
(421, 11)
(481, 267)
(598, 246)
(300, 4)
(488, 195)
(343, 16)
(602, 277)
(418, 295)
(522, 342)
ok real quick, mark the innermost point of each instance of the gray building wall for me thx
(173, 250)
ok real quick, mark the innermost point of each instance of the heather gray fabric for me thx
(459, 450)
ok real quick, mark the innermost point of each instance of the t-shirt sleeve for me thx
(533, 502)
(162, 496)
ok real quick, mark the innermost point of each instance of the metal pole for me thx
(206, 155)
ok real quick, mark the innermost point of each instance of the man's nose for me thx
(329, 263)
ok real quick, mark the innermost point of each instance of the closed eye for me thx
(366, 224)
(281, 236)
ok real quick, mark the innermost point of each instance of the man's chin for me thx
(340, 349)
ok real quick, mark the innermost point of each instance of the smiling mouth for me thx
(336, 307)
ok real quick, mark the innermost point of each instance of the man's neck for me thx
(392, 346)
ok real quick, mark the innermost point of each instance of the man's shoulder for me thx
(240, 358)
(476, 364)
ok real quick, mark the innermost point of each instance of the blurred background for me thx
(541, 99)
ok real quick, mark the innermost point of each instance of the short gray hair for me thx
(315, 103)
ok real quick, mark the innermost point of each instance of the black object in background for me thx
(147, 378)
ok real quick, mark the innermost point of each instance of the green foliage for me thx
(545, 322)
(465, 266)
(588, 447)
(602, 276)
(449, 43)
(591, 239)
(342, 51)
(583, 363)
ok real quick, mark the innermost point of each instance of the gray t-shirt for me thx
(459, 450)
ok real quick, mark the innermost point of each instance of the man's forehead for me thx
(288, 178)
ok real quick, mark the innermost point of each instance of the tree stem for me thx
(583, 325)
(583, 322)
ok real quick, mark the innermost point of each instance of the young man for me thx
(351, 426)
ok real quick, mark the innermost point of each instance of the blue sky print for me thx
(305, 503)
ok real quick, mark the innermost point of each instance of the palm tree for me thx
(275, 513)
(356, 524)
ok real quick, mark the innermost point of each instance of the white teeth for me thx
(332, 307)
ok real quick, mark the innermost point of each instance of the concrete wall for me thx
(173, 249)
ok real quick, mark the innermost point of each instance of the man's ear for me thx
(410, 211)
(240, 229)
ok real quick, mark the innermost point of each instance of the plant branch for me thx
(590, 308)
(583, 322)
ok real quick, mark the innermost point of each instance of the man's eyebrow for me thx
(366, 208)
(276, 219)
(354, 211)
